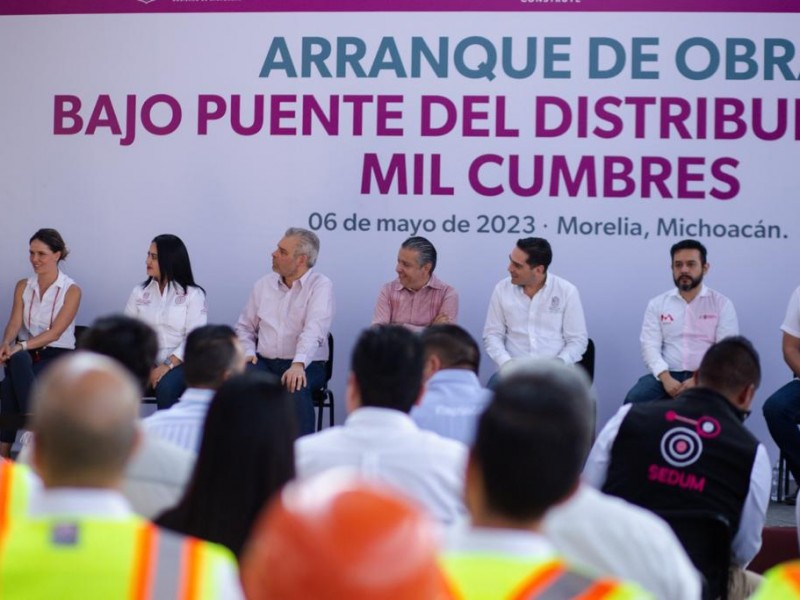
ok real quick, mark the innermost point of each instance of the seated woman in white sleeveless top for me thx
(41, 326)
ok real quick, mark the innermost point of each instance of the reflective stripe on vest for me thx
(143, 562)
(549, 580)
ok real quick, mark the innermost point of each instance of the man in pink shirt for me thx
(284, 326)
(680, 325)
(417, 298)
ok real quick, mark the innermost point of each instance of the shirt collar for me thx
(514, 542)
(61, 279)
(80, 502)
(446, 376)
(372, 416)
(302, 281)
(197, 395)
(433, 283)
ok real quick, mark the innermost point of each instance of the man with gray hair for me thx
(284, 326)
(85, 419)
(417, 298)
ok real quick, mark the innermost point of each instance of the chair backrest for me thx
(329, 362)
(706, 537)
(587, 360)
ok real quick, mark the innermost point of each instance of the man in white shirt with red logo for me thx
(284, 325)
(534, 313)
(680, 325)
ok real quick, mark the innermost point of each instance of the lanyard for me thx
(52, 311)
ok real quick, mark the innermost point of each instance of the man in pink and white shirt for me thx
(284, 326)
(417, 298)
(680, 325)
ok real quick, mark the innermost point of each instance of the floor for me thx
(780, 515)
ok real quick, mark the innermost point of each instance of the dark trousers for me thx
(649, 388)
(303, 404)
(20, 371)
(782, 414)
(170, 388)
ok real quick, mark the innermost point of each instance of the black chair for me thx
(783, 478)
(587, 360)
(706, 537)
(323, 397)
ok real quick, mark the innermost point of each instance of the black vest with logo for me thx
(689, 453)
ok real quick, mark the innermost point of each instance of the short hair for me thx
(426, 251)
(246, 456)
(533, 438)
(689, 245)
(131, 342)
(85, 418)
(456, 348)
(53, 240)
(308, 243)
(210, 353)
(538, 250)
(387, 364)
(173, 262)
(729, 366)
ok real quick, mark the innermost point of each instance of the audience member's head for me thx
(246, 455)
(449, 347)
(731, 367)
(332, 537)
(130, 341)
(85, 417)
(213, 354)
(530, 445)
(386, 369)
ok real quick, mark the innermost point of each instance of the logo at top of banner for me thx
(146, 1)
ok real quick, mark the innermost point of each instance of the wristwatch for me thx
(168, 363)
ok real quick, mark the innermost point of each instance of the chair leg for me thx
(783, 478)
(330, 410)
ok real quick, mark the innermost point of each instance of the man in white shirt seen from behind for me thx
(453, 397)
(534, 313)
(379, 439)
(213, 354)
(285, 324)
(680, 325)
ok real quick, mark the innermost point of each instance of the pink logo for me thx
(667, 318)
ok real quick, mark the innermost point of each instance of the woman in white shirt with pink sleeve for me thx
(172, 303)
(41, 326)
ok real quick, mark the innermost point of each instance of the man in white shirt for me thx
(453, 397)
(85, 421)
(534, 313)
(379, 439)
(680, 325)
(285, 324)
(213, 354)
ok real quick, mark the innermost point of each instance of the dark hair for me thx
(246, 456)
(689, 245)
(53, 240)
(532, 441)
(425, 250)
(453, 345)
(729, 366)
(209, 355)
(173, 262)
(538, 250)
(129, 341)
(387, 363)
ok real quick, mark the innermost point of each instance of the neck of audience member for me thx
(288, 280)
(45, 280)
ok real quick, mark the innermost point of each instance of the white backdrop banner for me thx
(611, 130)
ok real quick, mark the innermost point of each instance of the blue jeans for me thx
(170, 388)
(649, 388)
(303, 404)
(782, 414)
(15, 389)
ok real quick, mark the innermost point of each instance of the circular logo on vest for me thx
(681, 446)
